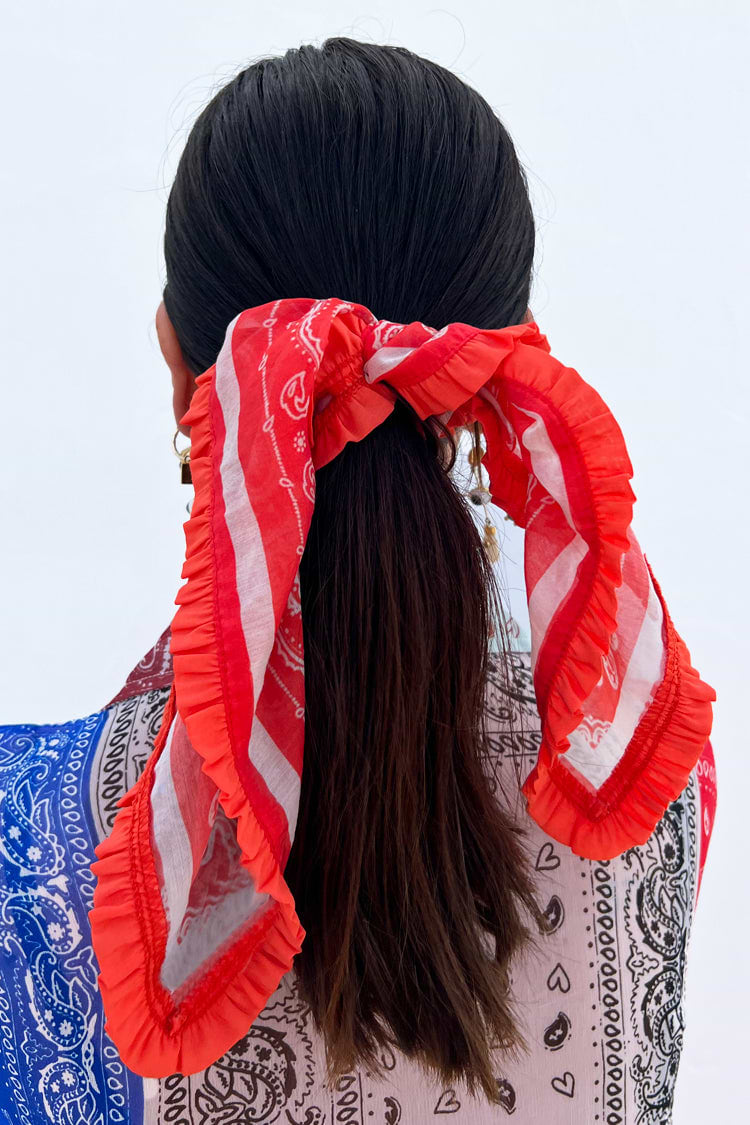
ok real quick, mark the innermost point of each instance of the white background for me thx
(631, 118)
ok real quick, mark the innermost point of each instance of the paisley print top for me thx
(600, 1004)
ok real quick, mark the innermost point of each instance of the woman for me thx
(356, 858)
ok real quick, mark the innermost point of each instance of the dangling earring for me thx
(475, 455)
(183, 455)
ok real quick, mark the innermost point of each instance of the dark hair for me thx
(368, 173)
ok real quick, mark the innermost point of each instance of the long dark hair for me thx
(369, 173)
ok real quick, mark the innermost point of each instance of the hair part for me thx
(369, 173)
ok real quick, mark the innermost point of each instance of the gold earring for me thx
(183, 455)
(489, 539)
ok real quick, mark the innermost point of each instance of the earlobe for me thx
(181, 395)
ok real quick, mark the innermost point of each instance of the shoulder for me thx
(22, 744)
(43, 778)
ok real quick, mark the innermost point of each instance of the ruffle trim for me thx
(655, 769)
(670, 737)
(154, 1035)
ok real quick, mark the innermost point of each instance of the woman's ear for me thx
(183, 380)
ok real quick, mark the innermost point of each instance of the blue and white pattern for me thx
(56, 1062)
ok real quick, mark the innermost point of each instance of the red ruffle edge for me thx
(673, 731)
(154, 1035)
(654, 770)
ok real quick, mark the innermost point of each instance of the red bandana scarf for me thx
(192, 924)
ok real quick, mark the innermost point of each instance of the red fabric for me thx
(706, 772)
(193, 924)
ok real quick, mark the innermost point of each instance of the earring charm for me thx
(482, 495)
(183, 455)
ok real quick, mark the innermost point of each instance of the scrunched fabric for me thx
(193, 924)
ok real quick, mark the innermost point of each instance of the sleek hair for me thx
(368, 173)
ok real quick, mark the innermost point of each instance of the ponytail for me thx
(410, 878)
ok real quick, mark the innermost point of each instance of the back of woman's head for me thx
(368, 173)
